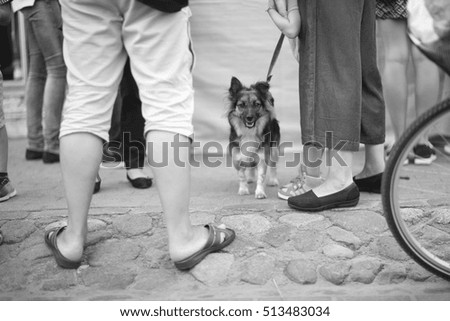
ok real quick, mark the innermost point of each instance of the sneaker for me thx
(299, 185)
(423, 155)
(6, 190)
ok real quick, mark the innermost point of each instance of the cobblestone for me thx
(278, 253)
(302, 272)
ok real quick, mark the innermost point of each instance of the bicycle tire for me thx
(389, 191)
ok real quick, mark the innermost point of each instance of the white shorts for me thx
(98, 36)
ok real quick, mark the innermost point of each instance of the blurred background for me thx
(230, 37)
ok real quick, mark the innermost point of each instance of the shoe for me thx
(298, 186)
(422, 155)
(447, 149)
(49, 158)
(50, 240)
(141, 182)
(371, 184)
(309, 201)
(7, 191)
(98, 182)
(33, 155)
(213, 244)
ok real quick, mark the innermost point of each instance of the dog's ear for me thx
(235, 87)
(262, 87)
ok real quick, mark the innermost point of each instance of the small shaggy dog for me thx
(254, 135)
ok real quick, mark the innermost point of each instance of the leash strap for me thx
(276, 53)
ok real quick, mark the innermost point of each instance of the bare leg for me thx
(3, 150)
(396, 54)
(80, 159)
(374, 161)
(339, 175)
(173, 183)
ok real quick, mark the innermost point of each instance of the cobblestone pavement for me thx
(279, 254)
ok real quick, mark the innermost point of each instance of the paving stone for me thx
(60, 282)
(257, 207)
(12, 277)
(335, 273)
(348, 238)
(35, 252)
(214, 269)
(392, 273)
(358, 221)
(278, 235)
(108, 210)
(301, 271)
(388, 247)
(248, 224)
(17, 231)
(442, 215)
(364, 270)
(98, 236)
(110, 252)
(337, 251)
(108, 278)
(96, 225)
(202, 218)
(258, 269)
(155, 279)
(243, 246)
(417, 272)
(305, 241)
(155, 258)
(13, 215)
(132, 225)
(412, 215)
(300, 220)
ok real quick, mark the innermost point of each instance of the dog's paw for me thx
(243, 191)
(260, 194)
(273, 181)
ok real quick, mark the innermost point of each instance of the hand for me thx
(281, 7)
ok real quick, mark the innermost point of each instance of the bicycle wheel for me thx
(416, 198)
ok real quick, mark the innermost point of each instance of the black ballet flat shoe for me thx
(141, 182)
(310, 202)
(371, 184)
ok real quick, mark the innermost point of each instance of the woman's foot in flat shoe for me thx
(138, 178)
(371, 184)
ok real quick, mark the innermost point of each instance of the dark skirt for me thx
(341, 98)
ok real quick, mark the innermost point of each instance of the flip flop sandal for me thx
(213, 244)
(50, 240)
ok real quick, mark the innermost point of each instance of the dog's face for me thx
(249, 103)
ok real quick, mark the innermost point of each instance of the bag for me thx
(166, 5)
(5, 14)
(429, 29)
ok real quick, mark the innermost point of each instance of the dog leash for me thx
(275, 55)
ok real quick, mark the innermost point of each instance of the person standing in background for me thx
(398, 51)
(46, 83)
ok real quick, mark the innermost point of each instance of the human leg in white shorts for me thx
(158, 46)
